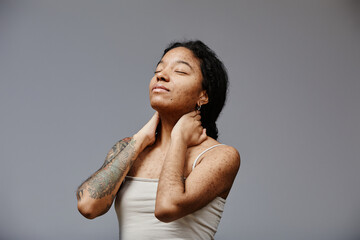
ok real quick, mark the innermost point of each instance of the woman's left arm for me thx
(177, 197)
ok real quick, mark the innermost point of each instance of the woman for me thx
(171, 178)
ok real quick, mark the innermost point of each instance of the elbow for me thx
(166, 212)
(165, 216)
(88, 209)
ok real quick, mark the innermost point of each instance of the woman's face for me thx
(177, 83)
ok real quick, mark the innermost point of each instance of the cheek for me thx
(188, 93)
(185, 93)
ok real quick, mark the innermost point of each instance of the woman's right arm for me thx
(96, 194)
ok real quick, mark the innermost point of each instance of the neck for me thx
(167, 123)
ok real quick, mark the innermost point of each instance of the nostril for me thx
(161, 78)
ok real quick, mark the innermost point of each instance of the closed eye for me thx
(181, 72)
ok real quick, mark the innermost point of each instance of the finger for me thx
(192, 113)
(197, 117)
(203, 136)
(198, 127)
(156, 117)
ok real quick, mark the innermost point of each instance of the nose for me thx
(162, 76)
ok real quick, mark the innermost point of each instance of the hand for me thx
(148, 132)
(189, 129)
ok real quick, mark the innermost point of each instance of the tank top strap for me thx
(198, 157)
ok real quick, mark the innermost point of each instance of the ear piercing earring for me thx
(198, 107)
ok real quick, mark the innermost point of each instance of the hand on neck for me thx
(167, 123)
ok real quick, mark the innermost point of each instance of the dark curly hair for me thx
(215, 82)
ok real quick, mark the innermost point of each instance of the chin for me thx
(160, 106)
(167, 105)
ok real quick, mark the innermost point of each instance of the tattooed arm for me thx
(96, 195)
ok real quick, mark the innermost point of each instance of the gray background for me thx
(74, 77)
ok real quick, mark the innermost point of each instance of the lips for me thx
(160, 87)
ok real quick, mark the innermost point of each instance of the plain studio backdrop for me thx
(74, 80)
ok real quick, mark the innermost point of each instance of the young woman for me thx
(171, 178)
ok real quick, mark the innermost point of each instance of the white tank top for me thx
(135, 207)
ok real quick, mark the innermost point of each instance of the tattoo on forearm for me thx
(116, 149)
(117, 162)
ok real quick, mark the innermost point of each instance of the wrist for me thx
(178, 139)
(141, 141)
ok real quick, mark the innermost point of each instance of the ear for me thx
(203, 99)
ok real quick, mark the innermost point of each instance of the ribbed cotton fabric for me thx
(135, 207)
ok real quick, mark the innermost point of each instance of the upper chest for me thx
(149, 163)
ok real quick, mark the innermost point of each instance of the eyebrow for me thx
(179, 61)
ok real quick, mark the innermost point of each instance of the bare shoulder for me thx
(226, 158)
(218, 168)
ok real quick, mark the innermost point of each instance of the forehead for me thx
(181, 54)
